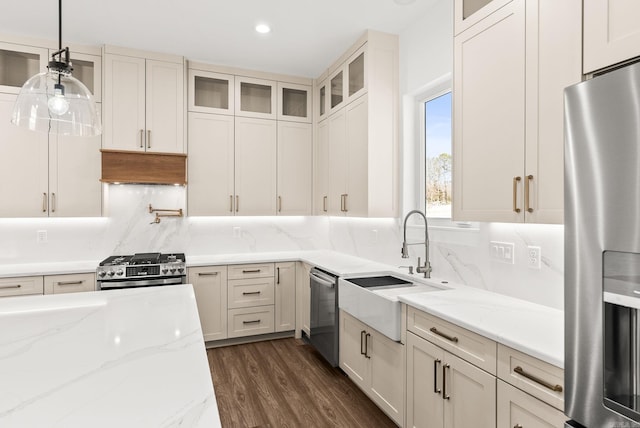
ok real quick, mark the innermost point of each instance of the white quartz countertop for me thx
(122, 358)
(528, 327)
(534, 329)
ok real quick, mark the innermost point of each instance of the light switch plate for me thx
(502, 252)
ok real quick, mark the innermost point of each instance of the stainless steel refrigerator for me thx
(602, 250)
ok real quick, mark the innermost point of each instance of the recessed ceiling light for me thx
(263, 28)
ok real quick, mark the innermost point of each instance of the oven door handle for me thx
(139, 283)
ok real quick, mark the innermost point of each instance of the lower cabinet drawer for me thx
(516, 408)
(73, 283)
(250, 321)
(21, 286)
(246, 293)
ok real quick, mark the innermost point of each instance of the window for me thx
(436, 139)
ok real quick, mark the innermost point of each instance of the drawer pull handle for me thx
(251, 322)
(251, 271)
(366, 345)
(362, 333)
(70, 282)
(521, 372)
(207, 273)
(441, 334)
(517, 426)
(250, 293)
(435, 376)
(5, 287)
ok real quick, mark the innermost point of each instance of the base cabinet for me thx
(72, 283)
(519, 409)
(21, 286)
(210, 287)
(375, 363)
(446, 391)
(303, 299)
(285, 296)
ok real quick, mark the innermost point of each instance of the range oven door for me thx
(324, 315)
(147, 282)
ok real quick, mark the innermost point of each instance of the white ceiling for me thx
(307, 35)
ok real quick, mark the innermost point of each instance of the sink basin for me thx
(380, 281)
(373, 299)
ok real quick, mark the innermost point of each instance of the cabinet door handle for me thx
(521, 372)
(435, 376)
(362, 333)
(53, 202)
(279, 203)
(251, 322)
(453, 339)
(277, 275)
(527, 201)
(6, 287)
(230, 203)
(148, 139)
(251, 271)
(250, 293)
(141, 138)
(63, 283)
(324, 203)
(207, 273)
(44, 202)
(366, 345)
(346, 197)
(237, 203)
(516, 180)
(445, 396)
(517, 426)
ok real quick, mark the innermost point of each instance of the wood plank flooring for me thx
(286, 383)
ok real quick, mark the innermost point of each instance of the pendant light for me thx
(55, 101)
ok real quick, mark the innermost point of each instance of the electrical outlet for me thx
(534, 255)
(503, 252)
(41, 236)
(237, 232)
(374, 236)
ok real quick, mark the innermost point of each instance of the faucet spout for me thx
(426, 268)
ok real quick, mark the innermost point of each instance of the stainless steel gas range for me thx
(141, 270)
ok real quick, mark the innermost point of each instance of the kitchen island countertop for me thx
(122, 358)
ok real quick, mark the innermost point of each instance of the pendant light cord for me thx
(59, 25)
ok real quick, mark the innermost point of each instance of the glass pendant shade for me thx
(56, 102)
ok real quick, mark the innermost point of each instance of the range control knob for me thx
(102, 274)
(181, 270)
(119, 272)
(110, 273)
(164, 271)
(172, 270)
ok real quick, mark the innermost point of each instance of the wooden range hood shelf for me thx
(143, 167)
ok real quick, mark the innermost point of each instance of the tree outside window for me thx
(438, 162)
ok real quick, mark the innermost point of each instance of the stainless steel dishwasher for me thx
(324, 314)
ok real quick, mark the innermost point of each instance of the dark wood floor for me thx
(286, 383)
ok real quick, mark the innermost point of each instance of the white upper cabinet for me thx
(255, 166)
(87, 68)
(143, 101)
(294, 102)
(255, 97)
(359, 140)
(508, 119)
(44, 175)
(321, 100)
(211, 92)
(210, 164)
(611, 32)
(295, 151)
(18, 63)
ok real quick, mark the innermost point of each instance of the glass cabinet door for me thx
(18, 63)
(210, 92)
(468, 12)
(255, 98)
(87, 68)
(337, 90)
(357, 77)
(294, 102)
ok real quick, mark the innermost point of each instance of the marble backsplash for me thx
(457, 254)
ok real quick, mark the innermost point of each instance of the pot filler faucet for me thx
(426, 269)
